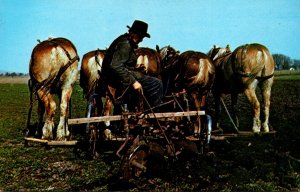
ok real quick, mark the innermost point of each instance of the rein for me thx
(161, 128)
(118, 100)
(168, 64)
(55, 78)
(250, 75)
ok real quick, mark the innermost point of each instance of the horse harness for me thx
(53, 80)
(251, 75)
(240, 73)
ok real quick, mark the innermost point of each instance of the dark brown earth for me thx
(261, 162)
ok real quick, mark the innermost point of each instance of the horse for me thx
(242, 70)
(53, 69)
(190, 71)
(148, 61)
(93, 86)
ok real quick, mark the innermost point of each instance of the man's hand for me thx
(137, 86)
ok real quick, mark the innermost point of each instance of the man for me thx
(119, 62)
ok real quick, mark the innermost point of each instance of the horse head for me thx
(168, 56)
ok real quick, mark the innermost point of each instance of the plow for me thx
(139, 135)
(144, 138)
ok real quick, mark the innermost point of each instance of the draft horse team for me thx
(53, 70)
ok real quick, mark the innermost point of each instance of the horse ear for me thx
(228, 48)
(157, 48)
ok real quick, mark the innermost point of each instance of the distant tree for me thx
(282, 61)
(296, 64)
(13, 74)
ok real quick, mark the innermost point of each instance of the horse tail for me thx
(94, 74)
(205, 69)
(210, 72)
(259, 70)
(202, 76)
(90, 72)
(267, 58)
(260, 62)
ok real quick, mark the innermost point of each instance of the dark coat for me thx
(119, 62)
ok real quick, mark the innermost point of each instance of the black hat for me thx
(140, 28)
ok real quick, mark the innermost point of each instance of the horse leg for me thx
(197, 102)
(250, 93)
(89, 108)
(50, 107)
(99, 105)
(41, 112)
(266, 93)
(234, 109)
(30, 86)
(62, 128)
(217, 98)
(107, 109)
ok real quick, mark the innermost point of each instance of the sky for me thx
(183, 24)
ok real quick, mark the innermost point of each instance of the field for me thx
(267, 162)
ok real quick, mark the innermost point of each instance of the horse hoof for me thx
(47, 138)
(61, 139)
(217, 131)
(256, 130)
(266, 130)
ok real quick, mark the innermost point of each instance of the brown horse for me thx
(93, 86)
(241, 71)
(148, 61)
(190, 71)
(53, 70)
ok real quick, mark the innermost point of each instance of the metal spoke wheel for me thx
(134, 164)
(205, 134)
(93, 141)
(92, 129)
(138, 161)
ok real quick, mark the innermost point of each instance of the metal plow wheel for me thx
(138, 162)
(134, 164)
(93, 141)
(92, 129)
(205, 134)
(202, 138)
